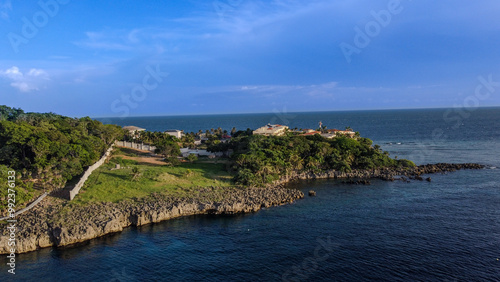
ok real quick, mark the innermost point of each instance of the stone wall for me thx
(28, 207)
(133, 145)
(73, 192)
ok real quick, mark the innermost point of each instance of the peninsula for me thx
(243, 172)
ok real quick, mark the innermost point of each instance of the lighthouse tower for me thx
(320, 125)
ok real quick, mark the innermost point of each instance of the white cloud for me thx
(32, 80)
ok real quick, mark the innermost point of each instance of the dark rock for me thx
(312, 193)
(428, 179)
(44, 225)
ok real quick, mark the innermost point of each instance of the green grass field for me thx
(107, 184)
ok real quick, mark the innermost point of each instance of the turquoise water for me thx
(444, 230)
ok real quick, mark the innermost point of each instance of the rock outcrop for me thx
(389, 174)
(59, 225)
(55, 225)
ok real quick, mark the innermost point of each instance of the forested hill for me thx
(50, 149)
(259, 159)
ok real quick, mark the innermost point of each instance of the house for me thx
(310, 133)
(307, 130)
(271, 130)
(175, 133)
(203, 137)
(134, 130)
(225, 138)
(185, 152)
(349, 133)
(329, 135)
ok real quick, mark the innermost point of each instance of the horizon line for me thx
(290, 112)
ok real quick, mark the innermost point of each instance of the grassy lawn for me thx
(107, 184)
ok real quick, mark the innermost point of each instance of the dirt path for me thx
(142, 156)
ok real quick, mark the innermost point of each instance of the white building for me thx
(336, 132)
(271, 129)
(175, 133)
(186, 152)
(133, 129)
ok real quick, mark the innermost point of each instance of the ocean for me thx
(444, 230)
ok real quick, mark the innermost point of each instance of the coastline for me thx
(387, 174)
(50, 224)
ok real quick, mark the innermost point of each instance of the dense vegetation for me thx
(50, 149)
(258, 159)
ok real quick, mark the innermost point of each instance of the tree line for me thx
(258, 160)
(50, 149)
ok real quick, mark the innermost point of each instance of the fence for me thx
(73, 192)
(28, 207)
(133, 145)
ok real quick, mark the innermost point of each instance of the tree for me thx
(192, 158)
(257, 159)
(51, 148)
(136, 173)
(187, 141)
(167, 148)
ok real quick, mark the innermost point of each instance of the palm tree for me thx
(136, 173)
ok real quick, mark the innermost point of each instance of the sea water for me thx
(444, 230)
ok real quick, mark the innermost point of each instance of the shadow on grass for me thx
(134, 153)
(151, 164)
(207, 170)
(114, 175)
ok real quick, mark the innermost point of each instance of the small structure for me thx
(225, 138)
(185, 152)
(349, 133)
(271, 130)
(175, 133)
(329, 135)
(133, 129)
(310, 133)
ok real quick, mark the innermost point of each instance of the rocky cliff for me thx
(52, 224)
(62, 223)
(389, 174)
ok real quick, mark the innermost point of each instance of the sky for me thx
(178, 57)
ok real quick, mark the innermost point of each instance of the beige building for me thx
(133, 129)
(175, 133)
(271, 130)
(335, 132)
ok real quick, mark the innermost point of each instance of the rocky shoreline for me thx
(54, 224)
(388, 174)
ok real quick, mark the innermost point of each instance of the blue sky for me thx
(132, 58)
